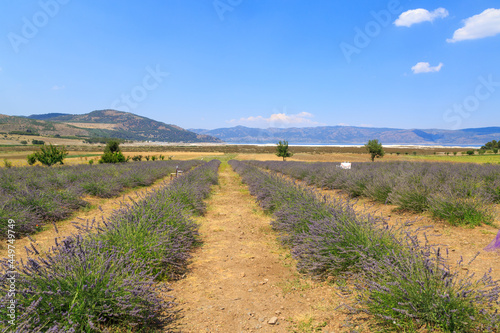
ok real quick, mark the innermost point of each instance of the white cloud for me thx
(301, 119)
(414, 16)
(425, 67)
(483, 25)
(56, 87)
(343, 124)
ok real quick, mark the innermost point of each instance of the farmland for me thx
(35, 196)
(461, 194)
(395, 268)
(122, 258)
(219, 256)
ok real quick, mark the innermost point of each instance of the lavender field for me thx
(462, 194)
(406, 285)
(38, 195)
(110, 275)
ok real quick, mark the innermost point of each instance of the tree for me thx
(282, 150)
(375, 149)
(48, 155)
(490, 145)
(112, 146)
(112, 153)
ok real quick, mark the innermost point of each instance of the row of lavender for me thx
(36, 195)
(109, 275)
(458, 193)
(406, 285)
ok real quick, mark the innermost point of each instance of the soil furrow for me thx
(99, 208)
(241, 278)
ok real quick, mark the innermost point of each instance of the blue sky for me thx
(258, 63)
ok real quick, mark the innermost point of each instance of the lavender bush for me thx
(80, 287)
(403, 283)
(458, 193)
(105, 276)
(37, 195)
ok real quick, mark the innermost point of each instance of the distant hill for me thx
(102, 123)
(354, 135)
(10, 124)
(46, 116)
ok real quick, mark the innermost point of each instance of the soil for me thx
(98, 209)
(464, 244)
(241, 277)
(458, 243)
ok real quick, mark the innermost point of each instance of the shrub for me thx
(37, 142)
(31, 159)
(81, 286)
(110, 157)
(137, 158)
(406, 285)
(7, 163)
(413, 289)
(460, 211)
(24, 142)
(470, 152)
(107, 279)
(49, 155)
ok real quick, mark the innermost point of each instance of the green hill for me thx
(117, 124)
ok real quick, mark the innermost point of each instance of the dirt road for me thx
(241, 280)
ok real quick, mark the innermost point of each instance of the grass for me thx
(82, 155)
(293, 285)
(224, 158)
(308, 324)
(487, 158)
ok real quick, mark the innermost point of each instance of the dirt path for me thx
(99, 208)
(241, 278)
(463, 243)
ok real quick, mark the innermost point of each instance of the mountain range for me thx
(129, 126)
(101, 123)
(354, 135)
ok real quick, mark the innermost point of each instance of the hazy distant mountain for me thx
(354, 135)
(104, 123)
(46, 116)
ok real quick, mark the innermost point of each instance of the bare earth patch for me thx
(99, 209)
(241, 278)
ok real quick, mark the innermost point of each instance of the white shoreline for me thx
(214, 144)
